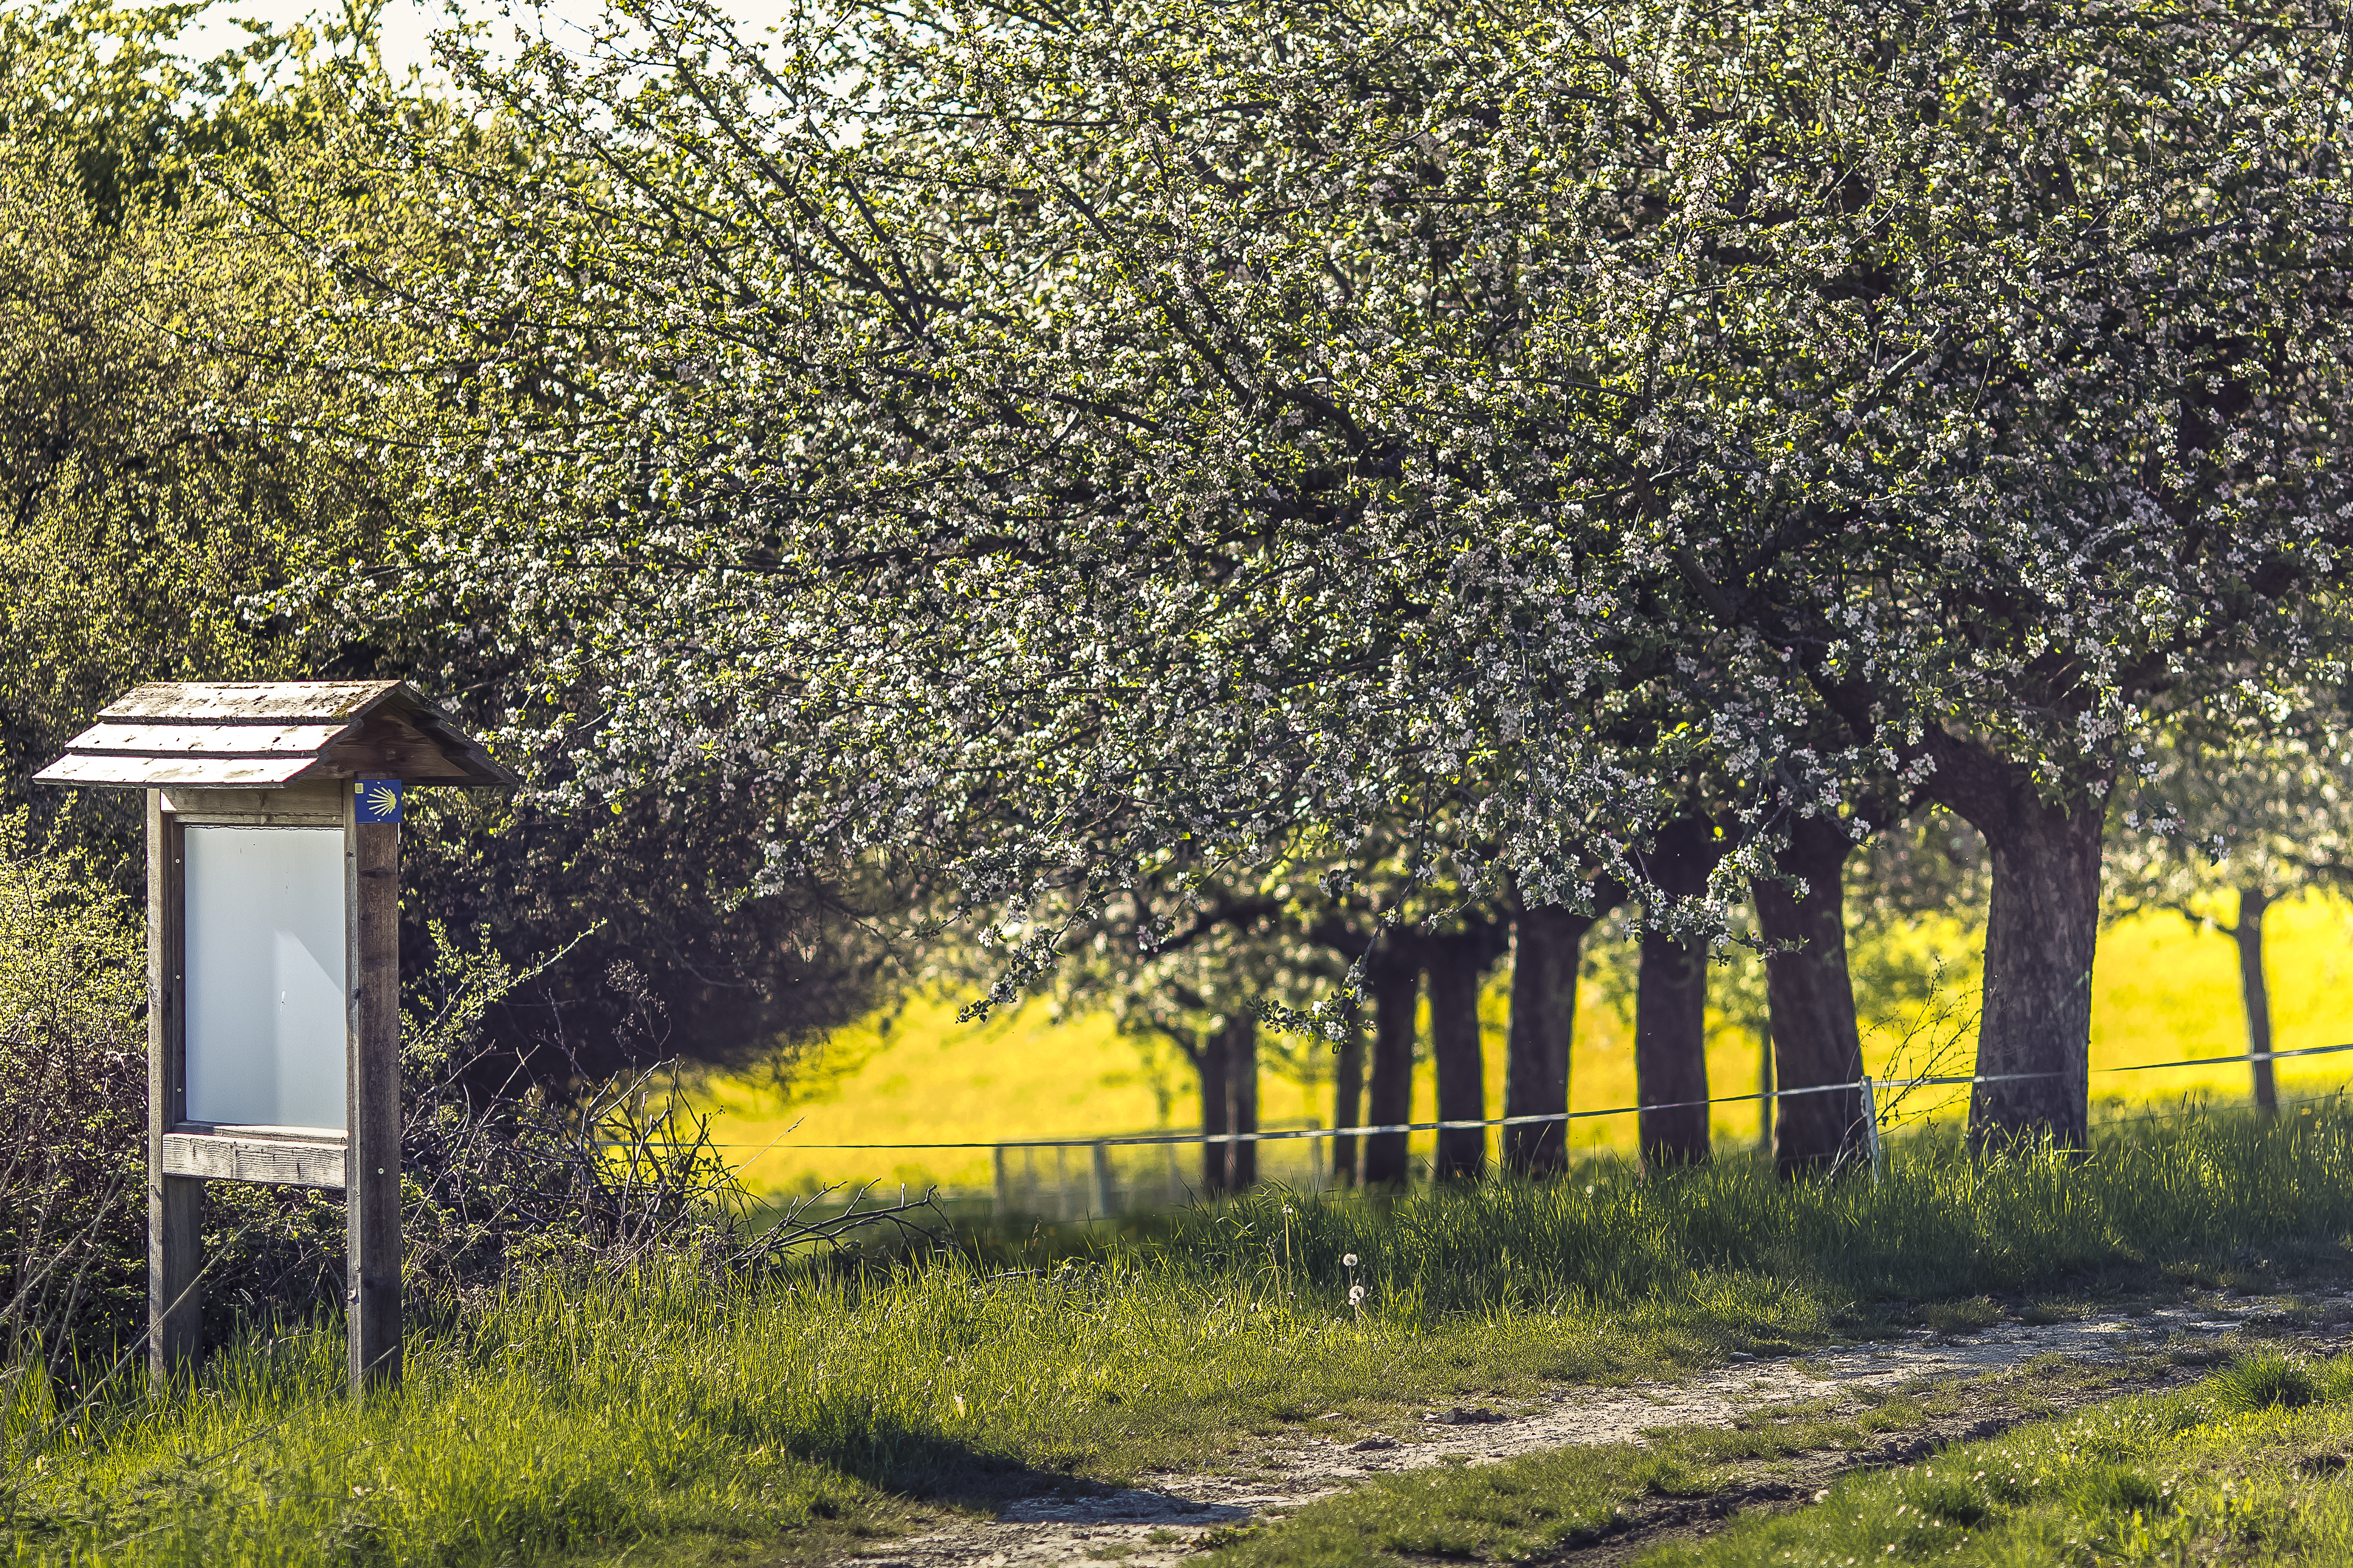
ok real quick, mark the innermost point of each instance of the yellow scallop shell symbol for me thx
(382, 799)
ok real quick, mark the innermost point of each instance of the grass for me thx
(2246, 1467)
(2240, 1467)
(562, 1421)
(2214, 1202)
(566, 1420)
(1959, 1318)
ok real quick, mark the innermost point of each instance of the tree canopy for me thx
(1074, 444)
(173, 455)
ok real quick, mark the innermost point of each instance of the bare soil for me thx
(1155, 1523)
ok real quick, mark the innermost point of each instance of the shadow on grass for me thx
(929, 1467)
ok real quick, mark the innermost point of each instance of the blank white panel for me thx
(265, 975)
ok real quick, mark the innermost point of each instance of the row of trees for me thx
(1253, 510)
(2249, 831)
(1473, 463)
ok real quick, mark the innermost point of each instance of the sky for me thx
(409, 24)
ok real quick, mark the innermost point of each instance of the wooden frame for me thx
(366, 1165)
(184, 1155)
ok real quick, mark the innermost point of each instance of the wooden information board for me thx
(273, 959)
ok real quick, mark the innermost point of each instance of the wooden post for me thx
(175, 1204)
(372, 1087)
(1870, 1131)
(1004, 1183)
(1102, 1182)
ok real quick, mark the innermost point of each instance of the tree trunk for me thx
(1348, 1103)
(1241, 1101)
(1454, 966)
(1216, 1110)
(1765, 1090)
(2253, 904)
(1396, 991)
(1811, 998)
(2034, 1029)
(1670, 1011)
(1546, 944)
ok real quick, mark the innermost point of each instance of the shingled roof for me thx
(262, 735)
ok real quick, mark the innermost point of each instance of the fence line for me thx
(1870, 1086)
(1102, 1190)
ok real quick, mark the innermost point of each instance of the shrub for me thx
(73, 1082)
(589, 1175)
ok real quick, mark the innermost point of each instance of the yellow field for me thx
(2162, 989)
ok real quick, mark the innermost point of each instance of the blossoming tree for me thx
(1066, 446)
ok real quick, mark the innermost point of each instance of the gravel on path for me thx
(1153, 1525)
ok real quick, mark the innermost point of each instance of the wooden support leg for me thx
(372, 1170)
(176, 1300)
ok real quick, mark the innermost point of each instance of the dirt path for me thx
(1153, 1525)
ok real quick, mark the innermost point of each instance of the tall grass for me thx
(576, 1416)
(2214, 1196)
(566, 1414)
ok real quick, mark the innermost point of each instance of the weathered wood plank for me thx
(175, 1204)
(386, 744)
(372, 1079)
(480, 767)
(305, 803)
(159, 740)
(148, 772)
(284, 1162)
(250, 701)
(254, 735)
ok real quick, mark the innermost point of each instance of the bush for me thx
(73, 1083)
(492, 1177)
(497, 1183)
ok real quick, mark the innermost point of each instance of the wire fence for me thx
(1102, 1176)
(1063, 1181)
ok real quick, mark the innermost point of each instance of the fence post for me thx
(1871, 1128)
(1102, 1182)
(1004, 1183)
